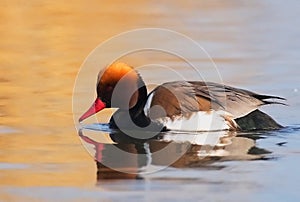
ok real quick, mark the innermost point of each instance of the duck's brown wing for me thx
(173, 99)
(238, 102)
(183, 97)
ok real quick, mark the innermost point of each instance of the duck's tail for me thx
(266, 99)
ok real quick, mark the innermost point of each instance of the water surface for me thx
(255, 45)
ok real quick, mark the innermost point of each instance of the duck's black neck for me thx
(136, 113)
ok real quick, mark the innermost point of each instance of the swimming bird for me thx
(178, 105)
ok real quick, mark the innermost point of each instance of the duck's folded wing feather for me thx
(238, 102)
(182, 98)
(173, 99)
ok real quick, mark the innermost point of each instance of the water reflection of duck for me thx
(179, 105)
(119, 156)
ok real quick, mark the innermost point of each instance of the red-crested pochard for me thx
(177, 105)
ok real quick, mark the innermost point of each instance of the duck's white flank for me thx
(200, 121)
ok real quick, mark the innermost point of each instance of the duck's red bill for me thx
(97, 106)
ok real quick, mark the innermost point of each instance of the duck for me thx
(178, 105)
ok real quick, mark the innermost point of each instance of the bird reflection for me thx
(120, 155)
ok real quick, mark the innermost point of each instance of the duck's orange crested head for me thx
(115, 72)
(118, 86)
(114, 75)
